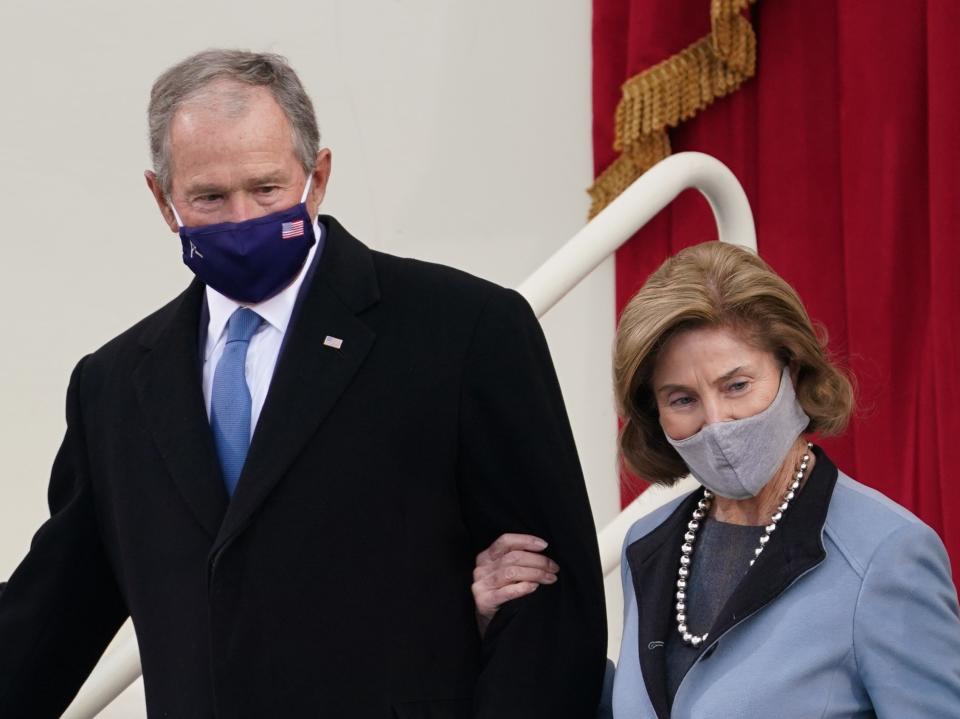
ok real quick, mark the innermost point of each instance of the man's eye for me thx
(209, 198)
(267, 189)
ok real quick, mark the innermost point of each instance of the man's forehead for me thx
(224, 104)
(211, 143)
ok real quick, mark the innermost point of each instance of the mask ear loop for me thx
(176, 215)
(306, 189)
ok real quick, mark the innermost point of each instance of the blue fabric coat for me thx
(849, 612)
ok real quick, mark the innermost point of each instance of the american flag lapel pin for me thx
(334, 342)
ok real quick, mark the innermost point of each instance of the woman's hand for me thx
(509, 568)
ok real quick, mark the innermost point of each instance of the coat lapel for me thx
(167, 382)
(311, 374)
(653, 561)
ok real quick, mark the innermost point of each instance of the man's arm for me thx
(544, 654)
(61, 607)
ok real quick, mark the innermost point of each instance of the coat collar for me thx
(308, 380)
(795, 548)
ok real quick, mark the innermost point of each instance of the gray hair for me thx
(188, 79)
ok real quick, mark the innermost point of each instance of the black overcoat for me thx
(336, 581)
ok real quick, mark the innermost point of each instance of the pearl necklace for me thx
(703, 507)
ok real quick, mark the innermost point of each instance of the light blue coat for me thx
(871, 629)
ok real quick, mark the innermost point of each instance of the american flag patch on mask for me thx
(289, 230)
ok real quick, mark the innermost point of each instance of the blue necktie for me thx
(230, 402)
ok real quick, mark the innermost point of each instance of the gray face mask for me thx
(736, 459)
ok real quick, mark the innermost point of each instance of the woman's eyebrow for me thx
(670, 387)
(666, 389)
(727, 375)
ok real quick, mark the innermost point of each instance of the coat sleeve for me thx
(605, 710)
(544, 655)
(907, 628)
(61, 606)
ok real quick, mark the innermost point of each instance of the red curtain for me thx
(846, 142)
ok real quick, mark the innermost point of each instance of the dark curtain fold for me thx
(846, 143)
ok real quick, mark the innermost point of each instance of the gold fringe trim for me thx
(673, 91)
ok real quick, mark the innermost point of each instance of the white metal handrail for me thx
(568, 266)
(610, 538)
(634, 208)
(116, 671)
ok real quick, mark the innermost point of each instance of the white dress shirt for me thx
(265, 344)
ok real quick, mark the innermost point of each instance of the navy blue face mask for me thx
(250, 261)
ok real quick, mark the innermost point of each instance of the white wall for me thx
(460, 133)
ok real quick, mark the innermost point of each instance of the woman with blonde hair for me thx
(781, 587)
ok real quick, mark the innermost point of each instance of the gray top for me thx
(721, 557)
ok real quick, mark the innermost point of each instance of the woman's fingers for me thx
(506, 543)
(516, 558)
(492, 590)
(510, 568)
(513, 575)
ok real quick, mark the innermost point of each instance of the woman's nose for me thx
(716, 410)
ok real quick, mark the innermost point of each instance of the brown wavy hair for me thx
(715, 284)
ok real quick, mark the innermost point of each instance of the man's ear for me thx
(321, 175)
(161, 199)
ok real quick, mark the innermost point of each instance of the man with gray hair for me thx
(283, 475)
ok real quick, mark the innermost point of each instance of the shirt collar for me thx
(276, 310)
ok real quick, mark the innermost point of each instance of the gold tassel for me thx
(675, 90)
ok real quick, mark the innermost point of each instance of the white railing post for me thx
(635, 207)
(115, 672)
(576, 259)
(610, 538)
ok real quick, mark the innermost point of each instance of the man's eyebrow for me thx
(206, 188)
(211, 188)
(270, 178)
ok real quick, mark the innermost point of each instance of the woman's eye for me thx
(681, 401)
(738, 386)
